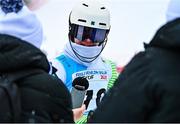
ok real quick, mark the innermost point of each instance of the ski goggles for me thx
(94, 34)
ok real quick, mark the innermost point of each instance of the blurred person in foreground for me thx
(89, 25)
(35, 4)
(43, 97)
(148, 90)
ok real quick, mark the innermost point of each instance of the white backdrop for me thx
(132, 23)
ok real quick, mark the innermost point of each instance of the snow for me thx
(132, 23)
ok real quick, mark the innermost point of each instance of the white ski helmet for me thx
(90, 13)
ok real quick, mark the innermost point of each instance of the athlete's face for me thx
(86, 42)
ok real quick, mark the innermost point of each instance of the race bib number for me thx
(98, 81)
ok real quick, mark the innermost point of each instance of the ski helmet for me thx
(89, 19)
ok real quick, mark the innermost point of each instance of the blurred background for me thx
(132, 23)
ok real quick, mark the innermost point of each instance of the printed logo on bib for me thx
(98, 81)
(92, 74)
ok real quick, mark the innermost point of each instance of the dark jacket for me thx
(148, 90)
(42, 95)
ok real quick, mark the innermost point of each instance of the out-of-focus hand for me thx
(78, 112)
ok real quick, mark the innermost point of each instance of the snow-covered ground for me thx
(132, 23)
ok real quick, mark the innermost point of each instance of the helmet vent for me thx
(81, 20)
(102, 24)
(85, 4)
(103, 8)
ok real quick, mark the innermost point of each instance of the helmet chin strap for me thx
(91, 59)
(80, 57)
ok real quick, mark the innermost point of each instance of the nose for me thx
(87, 40)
